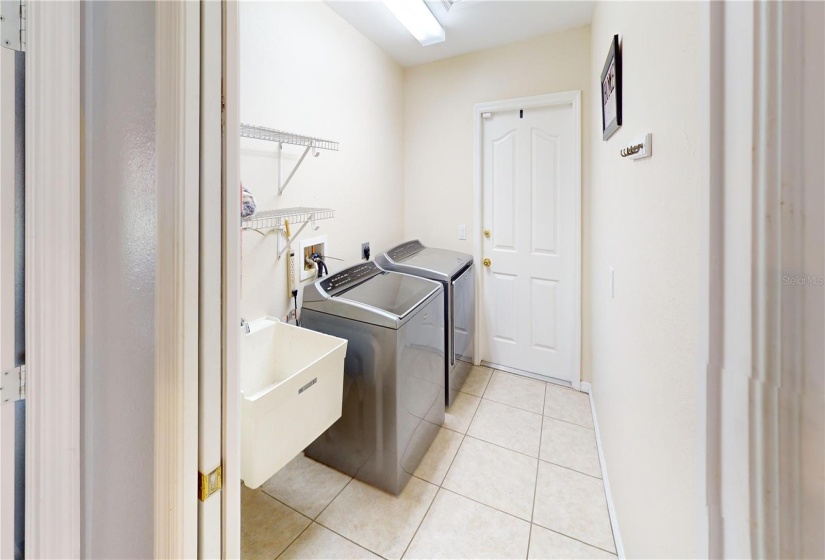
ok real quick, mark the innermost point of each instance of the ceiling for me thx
(470, 25)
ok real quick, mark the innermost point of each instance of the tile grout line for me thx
(333, 531)
(302, 513)
(502, 447)
(314, 520)
(463, 437)
(537, 459)
(507, 513)
(520, 377)
(556, 383)
(268, 495)
(538, 464)
(484, 389)
(454, 431)
(330, 529)
(536, 483)
(544, 399)
(440, 486)
(615, 553)
(304, 530)
(512, 405)
(575, 539)
(420, 523)
(568, 422)
(531, 456)
(569, 469)
(332, 500)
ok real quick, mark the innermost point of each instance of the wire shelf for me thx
(274, 135)
(275, 218)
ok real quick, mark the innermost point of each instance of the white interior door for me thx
(530, 204)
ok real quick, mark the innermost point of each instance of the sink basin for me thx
(291, 392)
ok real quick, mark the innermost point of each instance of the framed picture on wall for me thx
(612, 91)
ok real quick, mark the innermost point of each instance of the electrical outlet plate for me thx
(318, 245)
(365, 247)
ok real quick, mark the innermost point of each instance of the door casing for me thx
(572, 98)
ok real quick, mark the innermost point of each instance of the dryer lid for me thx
(393, 293)
(436, 264)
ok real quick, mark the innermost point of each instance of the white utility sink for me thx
(291, 387)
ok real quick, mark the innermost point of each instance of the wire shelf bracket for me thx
(279, 220)
(281, 137)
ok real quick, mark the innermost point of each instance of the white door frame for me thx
(176, 382)
(753, 210)
(53, 294)
(572, 98)
(53, 267)
(711, 274)
(231, 494)
(177, 47)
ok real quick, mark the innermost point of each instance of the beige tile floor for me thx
(514, 473)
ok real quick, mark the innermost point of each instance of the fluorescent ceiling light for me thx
(418, 19)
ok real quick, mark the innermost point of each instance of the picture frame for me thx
(611, 81)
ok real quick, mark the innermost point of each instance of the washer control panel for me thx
(350, 277)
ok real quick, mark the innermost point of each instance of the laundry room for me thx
(345, 154)
(415, 279)
(412, 279)
(354, 163)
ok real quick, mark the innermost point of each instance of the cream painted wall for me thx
(645, 223)
(304, 69)
(438, 135)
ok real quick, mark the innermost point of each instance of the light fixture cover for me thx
(418, 19)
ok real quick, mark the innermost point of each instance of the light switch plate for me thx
(462, 232)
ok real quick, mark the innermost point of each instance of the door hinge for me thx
(208, 484)
(13, 24)
(13, 385)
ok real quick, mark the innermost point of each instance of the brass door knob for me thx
(486, 262)
(487, 233)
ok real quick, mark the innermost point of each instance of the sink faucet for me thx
(245, 326)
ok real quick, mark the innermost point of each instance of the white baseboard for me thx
(585, 387)
(611, 510)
